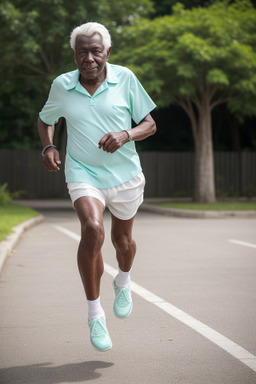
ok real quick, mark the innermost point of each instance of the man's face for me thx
(90, 56)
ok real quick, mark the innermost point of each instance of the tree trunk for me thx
(204, 159)
(199, 112)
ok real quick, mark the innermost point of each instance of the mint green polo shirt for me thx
(118, 100)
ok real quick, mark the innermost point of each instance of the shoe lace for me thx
(123, 296)
(97, 327)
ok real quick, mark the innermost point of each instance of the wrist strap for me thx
(128, 134)
(48, 146)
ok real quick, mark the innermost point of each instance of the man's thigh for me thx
(89, 208)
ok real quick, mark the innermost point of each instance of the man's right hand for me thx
(51, 160)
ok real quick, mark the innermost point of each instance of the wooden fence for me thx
(167, 174)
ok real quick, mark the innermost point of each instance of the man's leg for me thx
(89, 257)
(91, 267)
(125, 246)
(121, 234)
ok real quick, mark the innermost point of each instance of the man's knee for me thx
(123, 242)
(92, 234)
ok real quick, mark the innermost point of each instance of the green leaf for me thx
(217, 76)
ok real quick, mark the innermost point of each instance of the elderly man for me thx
(102, 167)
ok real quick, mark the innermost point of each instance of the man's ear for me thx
(108, 52)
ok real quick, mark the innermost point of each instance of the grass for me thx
(13, 214)
(222, 206)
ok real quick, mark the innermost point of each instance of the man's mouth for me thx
(89, 69)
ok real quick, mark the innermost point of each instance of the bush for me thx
(5, 196)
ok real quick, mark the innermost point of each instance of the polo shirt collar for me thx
(74, 79)
(110, 78)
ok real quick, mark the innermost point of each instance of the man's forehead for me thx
(94, 39)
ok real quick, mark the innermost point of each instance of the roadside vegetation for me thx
(11, 214)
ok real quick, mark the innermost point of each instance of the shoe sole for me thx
(102, 350)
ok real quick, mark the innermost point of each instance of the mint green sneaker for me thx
(123, 301)
(100, 338)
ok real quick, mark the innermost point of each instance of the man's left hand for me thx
(113, 141)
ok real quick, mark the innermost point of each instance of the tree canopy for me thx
(164, 7)
(180, 55)
(197, 59)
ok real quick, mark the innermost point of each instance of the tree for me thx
(197, 59)
(164, 7)
(34, 45)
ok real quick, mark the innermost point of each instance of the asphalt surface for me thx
(189, 263)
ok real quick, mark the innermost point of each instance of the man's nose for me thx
(89, 58)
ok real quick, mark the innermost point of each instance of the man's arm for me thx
(115, 140)
(146, 128)
(51, 157)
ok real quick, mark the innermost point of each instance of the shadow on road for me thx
(44, 373)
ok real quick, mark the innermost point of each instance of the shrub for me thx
(5, 196)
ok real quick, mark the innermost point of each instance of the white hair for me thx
(89, 29)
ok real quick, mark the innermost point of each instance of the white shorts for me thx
(123, 201)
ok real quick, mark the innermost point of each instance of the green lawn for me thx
(222, 206)
(11, 215)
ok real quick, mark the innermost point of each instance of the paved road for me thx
(189, 264)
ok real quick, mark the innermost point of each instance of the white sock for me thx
(95, 309)
(123, 279)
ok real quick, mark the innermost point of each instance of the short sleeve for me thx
(140, 102)
(51, 113)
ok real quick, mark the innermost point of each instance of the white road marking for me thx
(215, 337)
(242, 243)
(71, 234)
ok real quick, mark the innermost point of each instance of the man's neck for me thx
(95, 82)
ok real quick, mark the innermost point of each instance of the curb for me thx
(7, 246)
(196, 214)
